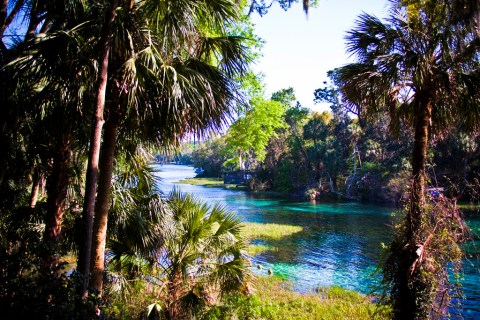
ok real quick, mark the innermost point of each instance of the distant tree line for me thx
(335, 153)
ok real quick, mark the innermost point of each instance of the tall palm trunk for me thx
(94, 152)
(57, 185)
(419, 160)
(410, 283)
(102, 205)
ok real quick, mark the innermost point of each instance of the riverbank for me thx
(218, 183)
(298, 196)
(274, 298)
(270, 297)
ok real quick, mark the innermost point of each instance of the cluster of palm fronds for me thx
(87, 87)
(186, 253)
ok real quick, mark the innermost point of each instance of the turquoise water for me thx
(340, 243)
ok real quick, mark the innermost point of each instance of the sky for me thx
(299, 50)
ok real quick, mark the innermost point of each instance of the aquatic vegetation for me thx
(254, 249)
(207, 182)
(269, 231)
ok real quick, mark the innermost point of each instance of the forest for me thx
(92, 90)
(333, 155)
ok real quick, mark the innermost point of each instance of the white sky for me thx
(299, 51)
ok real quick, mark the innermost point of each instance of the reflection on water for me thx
(339, 245)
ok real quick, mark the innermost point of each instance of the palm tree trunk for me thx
(174, 287)
(410, 283)
(46, 25)
(34, 21)
(94, 152)
(57, 185)
(419, 160)
(3, 171)
(102, 206)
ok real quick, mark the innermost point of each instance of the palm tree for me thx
(49, 87)
(94, 146)
(167, 79)
(202, 254)
(421, 66)
(188, 250)
(138, 220)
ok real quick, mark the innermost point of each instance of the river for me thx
(340, 243)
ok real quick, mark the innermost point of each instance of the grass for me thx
(269, 232)
(254, 249)
(207, 182)
(211, 183)
(274, 299)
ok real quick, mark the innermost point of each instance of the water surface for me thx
(340, 243)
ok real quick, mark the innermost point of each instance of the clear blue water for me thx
(339, 245)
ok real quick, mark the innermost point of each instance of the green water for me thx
(340, 243)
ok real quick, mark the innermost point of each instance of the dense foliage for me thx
(333, 154)
(89, 87)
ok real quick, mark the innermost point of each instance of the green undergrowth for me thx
(275, 299)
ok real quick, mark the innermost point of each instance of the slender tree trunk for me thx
(102, 206)
(57, 185)
(240, 160)
(419, 160)
(46, 25)
(409, 281)
(352, 177)
(3, 171)
(94, 152)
